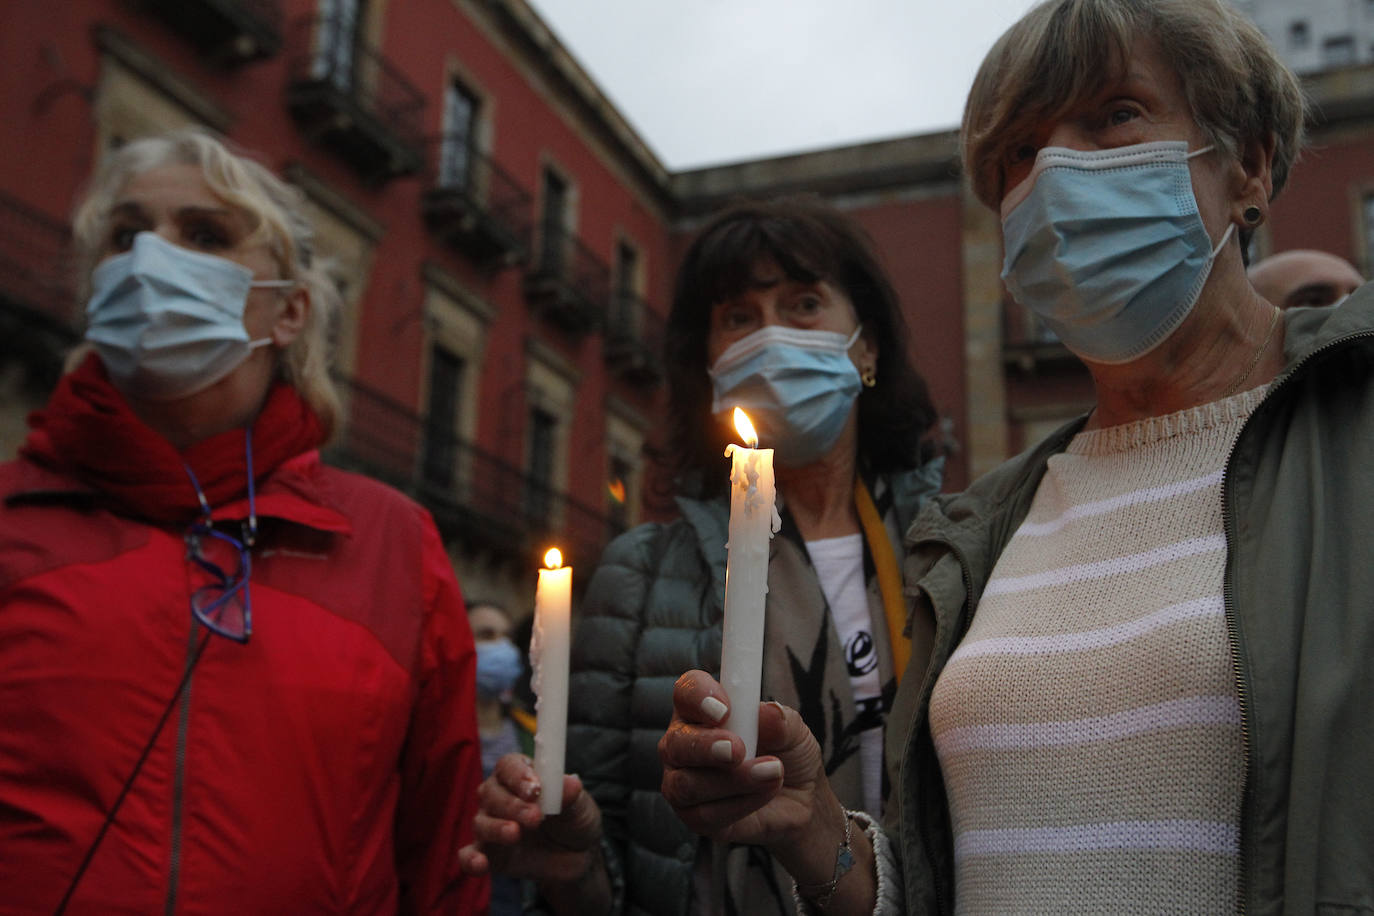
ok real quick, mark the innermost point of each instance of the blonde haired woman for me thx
(232, 679)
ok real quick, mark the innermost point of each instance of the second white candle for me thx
(550, 645)
(753, 520)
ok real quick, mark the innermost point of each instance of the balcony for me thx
(350, 100)
(228, 33)
(566, 284)
(633, 347)
(39, 314)
(473, 494)
(475, 206)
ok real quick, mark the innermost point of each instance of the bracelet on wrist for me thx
(819, 894)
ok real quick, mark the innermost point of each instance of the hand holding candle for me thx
(753, 521)
(549, 650)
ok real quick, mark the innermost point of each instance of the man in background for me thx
(1304, 277)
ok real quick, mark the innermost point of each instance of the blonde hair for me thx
(1059, 54)
(276, 211)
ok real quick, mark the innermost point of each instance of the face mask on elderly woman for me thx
(798, 387)
(1107, 246)
(167, 321)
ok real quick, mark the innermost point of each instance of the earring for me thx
(869, 377)
(1252, 215)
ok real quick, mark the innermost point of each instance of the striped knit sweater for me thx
(1088, 726)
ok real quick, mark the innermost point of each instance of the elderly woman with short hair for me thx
(1149, 688)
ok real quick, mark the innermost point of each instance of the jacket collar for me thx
(977, 521)
(297, 492)
(710, 518)
(990, 510)
(94, 449)
(1307, 330)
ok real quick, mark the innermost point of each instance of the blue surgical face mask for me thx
(797, 386)
(1107, 246)
(168, 322)
(498, 668)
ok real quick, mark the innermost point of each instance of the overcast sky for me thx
(706, 82)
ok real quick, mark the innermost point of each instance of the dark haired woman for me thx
(780, 308)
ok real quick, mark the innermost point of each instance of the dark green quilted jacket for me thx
(653, 610)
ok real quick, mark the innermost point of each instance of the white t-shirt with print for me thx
(839, 564)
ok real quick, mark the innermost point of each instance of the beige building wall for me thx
(982, 270)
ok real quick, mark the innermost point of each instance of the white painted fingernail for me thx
(766, 771)
(714, 709)
(723, 750)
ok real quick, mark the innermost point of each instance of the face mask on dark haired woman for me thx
(1107, 246)
(167, 321)
(798, 387)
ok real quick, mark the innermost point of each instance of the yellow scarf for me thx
(889, 576)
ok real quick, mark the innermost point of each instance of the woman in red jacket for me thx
(232, 680)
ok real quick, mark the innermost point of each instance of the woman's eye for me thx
(207, 236)
(733, 319)
(1021, 152)
(807, 305)
(122, 238)
(1119, 116)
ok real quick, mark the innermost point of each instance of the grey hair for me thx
(1058, 54)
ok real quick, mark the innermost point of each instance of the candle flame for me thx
(746, 429)
(554, 558)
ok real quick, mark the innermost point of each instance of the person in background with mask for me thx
(782, 309)
(232, 679)
(1150, 690)
(505, 728)
(1304, 277)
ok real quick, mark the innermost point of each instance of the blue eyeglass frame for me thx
(226, 588)
(229, 587)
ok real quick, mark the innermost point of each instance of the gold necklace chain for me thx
(1254, 360)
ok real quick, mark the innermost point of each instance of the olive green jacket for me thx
(1298, 500)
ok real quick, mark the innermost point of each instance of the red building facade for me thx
(505, 242)
(500, 236)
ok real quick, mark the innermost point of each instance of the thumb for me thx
(783, 734)
(578, 825)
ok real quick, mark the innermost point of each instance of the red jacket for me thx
(328, 765)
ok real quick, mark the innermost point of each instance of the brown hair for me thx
(1057, 54)
(810, 242)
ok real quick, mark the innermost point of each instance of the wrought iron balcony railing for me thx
(471, 492)
(633, 345)
(566, 283)
(39, 315)
(227, 32)
(34, 263)
(475, 205)
(352, 100)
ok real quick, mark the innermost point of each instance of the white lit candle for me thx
(549, 647)
(753, 520)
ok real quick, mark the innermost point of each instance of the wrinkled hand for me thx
(515, 838)
(766, 800)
